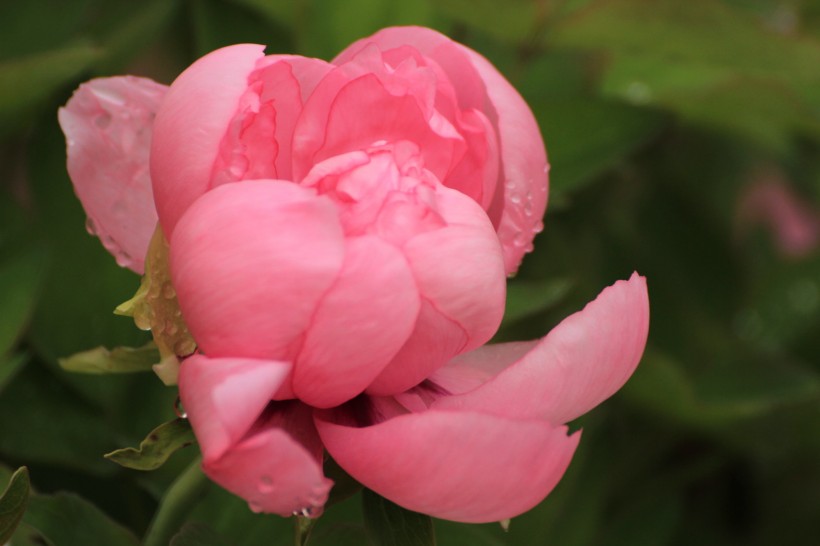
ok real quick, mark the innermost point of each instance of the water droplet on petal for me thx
(255, 507)
(179, 410)
(266, 485)
(90, 227)
(168, 291)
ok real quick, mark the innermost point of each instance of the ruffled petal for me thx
(250, 262)
(223, 397)
(190, 125)
(359, 326)
(579, 364)
(277, 468)
(108, 124)
(460, 466)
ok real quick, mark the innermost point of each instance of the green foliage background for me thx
(657, 116)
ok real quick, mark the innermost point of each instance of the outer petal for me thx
(522, 199)
(108, 124)
(223, 397)
(190, 125)
(359, 326)
(459, 466)
(250, 262)
(578, 365)
(276, 468)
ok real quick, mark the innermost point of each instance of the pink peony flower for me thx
(339, 238)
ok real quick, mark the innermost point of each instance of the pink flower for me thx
(339, 239)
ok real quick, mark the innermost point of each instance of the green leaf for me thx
(160, 444)
(69, 520)
(586, 136)
(389, 524)
(9, 366)
(13, 503)
(198, 534)
(118, 360)
(20, 280)
(43, 73)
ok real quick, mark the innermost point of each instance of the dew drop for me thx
(266, 485)
(179, 410)
(520, 239)
(255, 507)
(539, 227)
(90, 227)
(168, 291)
(515, 199)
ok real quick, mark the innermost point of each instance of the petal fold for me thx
(250, 262)
(579, 364)
(277, 468)
(223, 397)
(359, 326)
(460, 466)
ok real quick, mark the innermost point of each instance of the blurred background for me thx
(684, 139)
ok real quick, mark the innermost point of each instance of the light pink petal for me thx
(360, 113)
(521, 198)
(434, 341)
(250, 262)
(460, 268)
(359, 325)
(190, 125)
(277, 468)
(223, 397)
(108, 124)
(579, 364)
(459, 466)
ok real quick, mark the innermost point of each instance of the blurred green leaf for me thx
(160, 444)
(388, 524)
(117, 360)
(585, 137)
(68, 520)
(339, 534)
(525, 298)
(515, 23)
(20, 279)
(13, 503)
(9, 366)
(198, 534)
(60, 428)
(29, 81)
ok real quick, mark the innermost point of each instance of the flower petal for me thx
(277, 468)
(460, 466)
(250, 262)
(359, 326)
(519, 208)
(108, 124)
(223, 397)
(190, 125)
(579, 364)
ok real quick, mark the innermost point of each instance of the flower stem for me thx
(303, 527)
(175, 505)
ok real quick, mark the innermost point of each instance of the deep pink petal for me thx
(108, 124)
(579, 364)
(359, 325)
(223, 397)
(250, 262)
(277, 468)
(190, 125)
(460, 466)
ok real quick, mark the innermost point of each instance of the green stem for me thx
(180, 498)
(303, 527)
